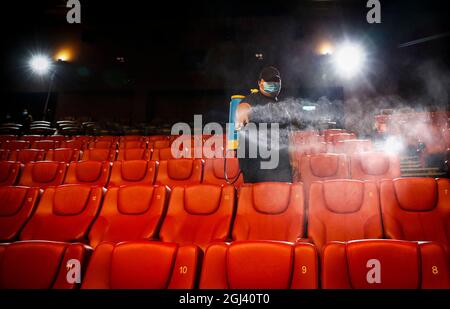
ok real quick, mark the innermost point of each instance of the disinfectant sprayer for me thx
(232, 135)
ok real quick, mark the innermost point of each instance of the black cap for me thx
(270, 74)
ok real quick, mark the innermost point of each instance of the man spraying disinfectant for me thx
(263, 132)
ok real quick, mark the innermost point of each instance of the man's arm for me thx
(242, 115)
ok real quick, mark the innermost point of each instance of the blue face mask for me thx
(272, 87)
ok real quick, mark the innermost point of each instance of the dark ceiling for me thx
(174, 45)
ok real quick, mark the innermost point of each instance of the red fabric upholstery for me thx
(179, 172)
(27, 155)
(142, 265)
(375, 166)
(129, 213)
(260, 265)
(214, 172)
(99, 154)
(343, 210)
(384, 264)
(88, 172)
(65, 155)
(199, 214)
(16, 206)
(43, 174)
(64, 213)
(132, 172)
(39, 264)
(9, 172)
(270, 211)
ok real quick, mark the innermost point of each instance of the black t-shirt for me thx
(265, 110)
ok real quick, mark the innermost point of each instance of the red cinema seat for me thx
(65, 155)
(107, 138)
(64, 213)
(134, 172)
(142, 265)
(134, 154)
(43, 174)
(133, 144)
(353, 146)
(4, 155)
(16, 205)
(329, 132)
(5, 138)
(74, 144)
(44, 144)
(214, 172)
(9, 172)
(31, 138)
(179, 172)
(334, 138)
(92, 173)
(374, 166)
(323, 166)
(15, 145)
(342, 210)
(99, 154)
(198, 214)
(132, 138)
(163, 154)
(384, 264)
(102, 145)
(57, 138)
(416, 209)
(40, 264)
(270, 211)
(159, 144)
(27, 155)
(126, 217)
(260, 265)
(153, 138)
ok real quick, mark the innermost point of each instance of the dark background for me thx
(162, 61)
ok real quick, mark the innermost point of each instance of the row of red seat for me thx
(363, 166)
(339, 210)
(369, 264)
(99, 154)
(170, 173)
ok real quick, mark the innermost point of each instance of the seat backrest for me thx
(14, 145)
(16, 206)
(142, 265)
(4, 154)
(179, 172)
(65, 155)
(43, 174)
(88, 172)
(199, 214)
(153, 138)
(99, 154)
(40, 264)
(134, 172)
(31, 138)
(133, 144)
(260, 265)
(9, 172)
(102, 145)
(27, 155)
(353, 146)
(384, 264)
(213, 172)
(159, 144)
(134, 154)
(163, 154)
(323, 166)
(125, 217)
(416, 209)
(43, 144)
(374, 166)
(132, 138)
(270, 211)
(342, 210)
(74, 144)
(64, 213)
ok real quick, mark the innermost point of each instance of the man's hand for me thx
(242, 115)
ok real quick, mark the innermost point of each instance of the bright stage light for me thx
(40, 64)
(349, 60)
